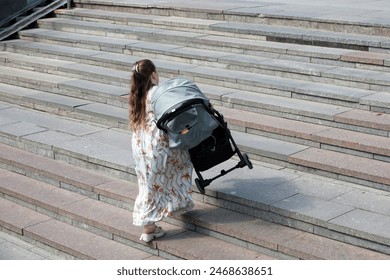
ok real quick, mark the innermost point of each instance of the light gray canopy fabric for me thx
(181, 109)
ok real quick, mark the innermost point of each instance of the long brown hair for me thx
(141, 82)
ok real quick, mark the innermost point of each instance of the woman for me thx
(164, 175)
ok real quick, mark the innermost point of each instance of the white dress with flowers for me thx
(164, 175)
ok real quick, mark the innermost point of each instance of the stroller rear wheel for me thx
(201, 184)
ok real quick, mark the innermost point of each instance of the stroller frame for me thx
(200, 182)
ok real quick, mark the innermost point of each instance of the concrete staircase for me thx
(311, 107)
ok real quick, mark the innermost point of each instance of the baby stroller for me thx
(192, 124)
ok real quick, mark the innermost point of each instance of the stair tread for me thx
(107, 218)
(373, 144)
(267, 63)
(65, 237)
(283, 48)
(306, 98)
(284, 31)
(301, 33)
(247, 174)
(347, 165)
(112, 219)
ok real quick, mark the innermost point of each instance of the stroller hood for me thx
(172, 92)
(183, 112)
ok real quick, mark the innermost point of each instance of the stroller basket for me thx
(186, 115)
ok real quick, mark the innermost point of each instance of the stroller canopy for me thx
(183, 112)
(173, 92)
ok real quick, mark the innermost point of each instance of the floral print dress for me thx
(164, 175)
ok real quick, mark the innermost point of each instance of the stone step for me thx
(79, 197)
(275, 32)
(329, 17)
(288, 51)
(297, 90)
(107, 221)
(60, 236)
(350, 166)
(276, 139)
(304, 70)
(326, 93)
(125, 62)
(91, 147)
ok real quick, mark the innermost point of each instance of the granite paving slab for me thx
(32, 62)
(35, 192)
(247, 228)
(97, 152)
(348, 165)
(326, 249)
(47, 49)
(72, 39)
(375, 202)
(207, 248)
(366, 224)
(10, 251)
(58, 101)
(6, 121)
(339, 11)
(273, 148)
(310, 209)
(109, 113)
(51, 138)
(318, 187)
(58, 171)
(268, 123)
(354, 140)
(379, 99)
(16, 218)
(4, 105)
(285, 105)
(93, 89)
(258, 186)
(366, 57)
(98, 71)
(375, 120)
(19, 129)
(50, 121)
(35, 78)
(17, 92)
(81, 243)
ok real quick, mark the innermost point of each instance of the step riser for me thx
(171, 54)
(321, 78)
(242, 84)
(208, 43)
(286, 120)
(263, 19)
(77, 220)
(245, 207)
(129, 174)
(368, 152)
(239, 104)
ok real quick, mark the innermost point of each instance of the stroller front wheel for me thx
(246, 160)
(201, 185)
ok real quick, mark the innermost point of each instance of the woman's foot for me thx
(151, 232)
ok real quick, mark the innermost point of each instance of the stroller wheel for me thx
(201, 185)
(245, 158)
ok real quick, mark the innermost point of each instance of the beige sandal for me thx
(147, 237)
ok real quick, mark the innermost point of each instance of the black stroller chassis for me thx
(219, 147)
